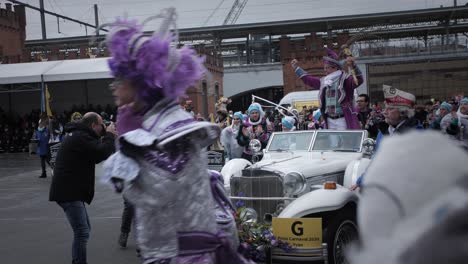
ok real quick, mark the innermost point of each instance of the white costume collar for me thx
(331, 78)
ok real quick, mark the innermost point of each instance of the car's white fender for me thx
(233, 167)
(354, 170)
(319, 200)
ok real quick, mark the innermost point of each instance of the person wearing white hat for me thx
(398, 110)
(398, 115)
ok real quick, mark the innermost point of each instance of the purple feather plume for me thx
(148, 68)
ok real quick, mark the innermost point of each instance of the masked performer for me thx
(181, 214)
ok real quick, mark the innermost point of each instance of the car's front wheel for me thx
(340, 233)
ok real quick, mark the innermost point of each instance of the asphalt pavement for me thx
(35, 231)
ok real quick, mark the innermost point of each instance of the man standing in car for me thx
(86, 143)
(336, 90)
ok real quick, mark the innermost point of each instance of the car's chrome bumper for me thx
(303, 254)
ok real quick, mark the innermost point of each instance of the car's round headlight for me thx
(294, 183)
(255, 145)
(368, 146)
(248, 215)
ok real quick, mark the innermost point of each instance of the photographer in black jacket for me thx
(86, 143)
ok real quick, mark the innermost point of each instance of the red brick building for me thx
(210, 88)
(12, 33)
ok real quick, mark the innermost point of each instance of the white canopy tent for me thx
(84, 69)
(50, 71)
(24, 72)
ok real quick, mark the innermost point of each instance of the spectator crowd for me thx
(17, 132)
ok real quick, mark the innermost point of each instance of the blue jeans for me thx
(79, 221)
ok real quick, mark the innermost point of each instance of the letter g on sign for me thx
(296, 228)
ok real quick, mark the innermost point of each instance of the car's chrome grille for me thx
(264, 184)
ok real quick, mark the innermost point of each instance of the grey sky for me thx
(195, 13)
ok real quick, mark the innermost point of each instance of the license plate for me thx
(299, 232)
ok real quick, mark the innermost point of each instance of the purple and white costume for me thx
(182, 215)
(336, 91)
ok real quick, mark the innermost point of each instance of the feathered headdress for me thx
(332, 59)
(153, 63)
(221, 105)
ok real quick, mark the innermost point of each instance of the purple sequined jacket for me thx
(346, 103)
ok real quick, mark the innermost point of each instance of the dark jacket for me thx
(43, 142)
(409, 124)
(244, 141)
(81, 149)
(363, 117)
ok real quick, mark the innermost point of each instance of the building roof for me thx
(409, 22)
(332, 23)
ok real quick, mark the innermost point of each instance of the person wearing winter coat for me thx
(459, 126)
(43, 135)
(86, 143)
(228, 138)
(443, 120)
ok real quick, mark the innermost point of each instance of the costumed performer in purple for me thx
(336, 91)
(181, 214)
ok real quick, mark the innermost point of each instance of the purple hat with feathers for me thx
(153, 64)
(332, 59)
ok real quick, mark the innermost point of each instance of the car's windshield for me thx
(338, 141)
(290, 141)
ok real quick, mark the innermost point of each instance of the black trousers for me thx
(127, 217)
(44, 160)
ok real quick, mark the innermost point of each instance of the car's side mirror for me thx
(368, 146)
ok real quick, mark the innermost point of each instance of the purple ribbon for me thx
(219, 195)
(194, 243)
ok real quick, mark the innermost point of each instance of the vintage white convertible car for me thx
(289, 182)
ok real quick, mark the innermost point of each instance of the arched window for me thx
(216, 91)
(204, 94)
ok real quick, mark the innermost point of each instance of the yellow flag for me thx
(47, 96)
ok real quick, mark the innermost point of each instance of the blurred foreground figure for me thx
(414, 203)
(181, 213)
